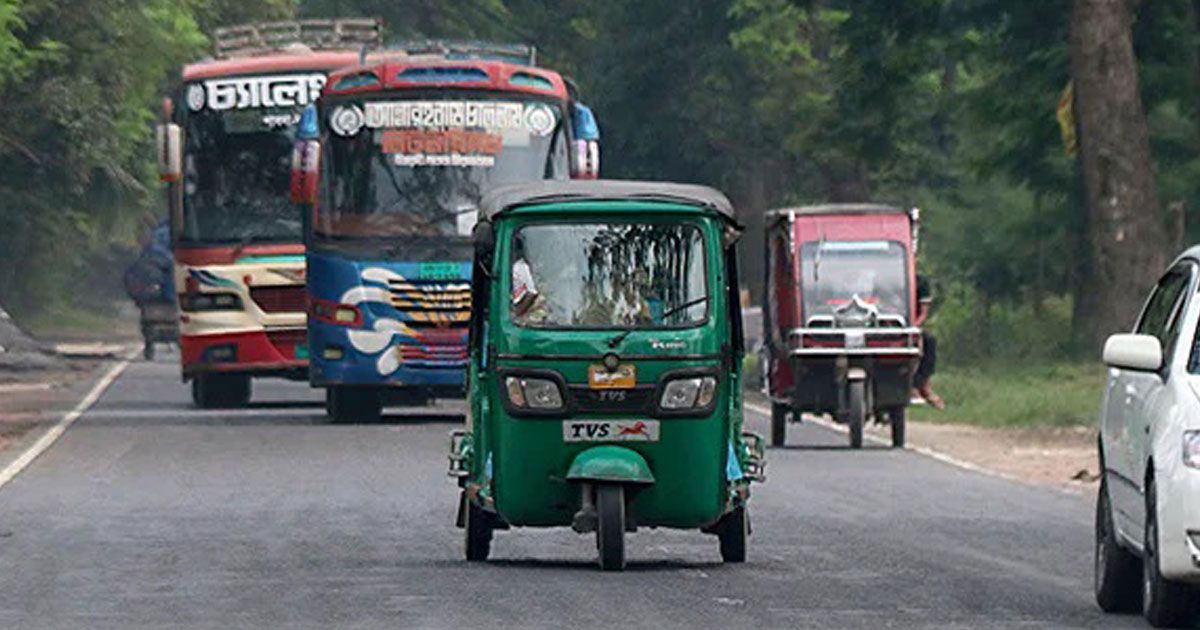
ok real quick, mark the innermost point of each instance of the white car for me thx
(1148, 510)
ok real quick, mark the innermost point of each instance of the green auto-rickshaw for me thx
(605, 367)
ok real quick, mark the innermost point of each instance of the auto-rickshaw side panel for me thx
(782, 307)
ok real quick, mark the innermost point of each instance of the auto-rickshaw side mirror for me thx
(483, 237)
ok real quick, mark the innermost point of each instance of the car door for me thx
(1142, 393)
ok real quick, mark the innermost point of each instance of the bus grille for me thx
(284, 299)
(432, 304)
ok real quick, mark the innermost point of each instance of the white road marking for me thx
(51, 436)
(920, 450)
(9, 388)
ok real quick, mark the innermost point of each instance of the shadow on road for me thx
(833, 447)
(631, 566)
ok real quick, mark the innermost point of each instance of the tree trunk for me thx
(1127, 242)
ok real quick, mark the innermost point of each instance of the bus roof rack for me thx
(521, 54)
(248, 40)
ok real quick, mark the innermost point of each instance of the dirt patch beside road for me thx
(1054, 456)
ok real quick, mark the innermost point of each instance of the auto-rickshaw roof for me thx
(504, 198)
(836, 208)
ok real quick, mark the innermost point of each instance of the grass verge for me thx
(1017, 395)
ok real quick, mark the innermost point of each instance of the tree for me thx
(1126, 238)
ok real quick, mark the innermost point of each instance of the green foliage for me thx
(1018, 394)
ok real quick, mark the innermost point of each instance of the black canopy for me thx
(509, 196)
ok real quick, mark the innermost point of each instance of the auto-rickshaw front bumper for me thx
(856, 342)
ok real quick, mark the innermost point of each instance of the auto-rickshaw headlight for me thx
(515, 392)
(688, 393)
(542, 394)
(538, 394)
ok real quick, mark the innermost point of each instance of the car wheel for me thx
(1165, 604)
(779, 420)
(1117, 578)
(733, 533)
(610, 526)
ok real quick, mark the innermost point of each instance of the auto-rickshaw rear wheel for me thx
(477, 526)
(780, 413)
(610, 526)
(732, 534)
(856, 411)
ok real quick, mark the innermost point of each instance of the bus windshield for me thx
(412, 172)
(237, 165)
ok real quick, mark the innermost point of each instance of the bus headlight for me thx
(536, 394)
(1191, 449)
(694, 392)
(195, 302)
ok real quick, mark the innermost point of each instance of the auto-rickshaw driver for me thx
(619, 405)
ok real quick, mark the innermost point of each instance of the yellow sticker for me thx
(624, 377)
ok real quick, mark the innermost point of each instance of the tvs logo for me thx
(347, 120)
(611, 431)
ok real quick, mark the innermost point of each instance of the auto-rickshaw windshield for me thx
(832, 273)
(609, 276)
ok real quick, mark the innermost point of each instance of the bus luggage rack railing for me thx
(825, 342)
(522, 54)
(247, 40)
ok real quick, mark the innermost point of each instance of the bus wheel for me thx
(221, 391)
(610, 526)
(352, 404)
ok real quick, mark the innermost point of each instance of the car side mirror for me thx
(1143, 353)
(169, 139)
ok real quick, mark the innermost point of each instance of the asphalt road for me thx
(149, 514)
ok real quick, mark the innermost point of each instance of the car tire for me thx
(610, 526)
(857, 411)
(477, 531)
(779, 420)
(733, 534)
(1165, 604)
(1118, 572)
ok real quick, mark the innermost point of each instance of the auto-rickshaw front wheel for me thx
(610, 526)
(780, 414)
(856, 413)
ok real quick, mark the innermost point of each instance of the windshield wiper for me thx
(671, 311)
(616, 341)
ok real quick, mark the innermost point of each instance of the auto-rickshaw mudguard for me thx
(613, 464)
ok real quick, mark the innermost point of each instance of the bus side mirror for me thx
(586, 162)
(585, 158)
(169, 139)
(306, 175)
